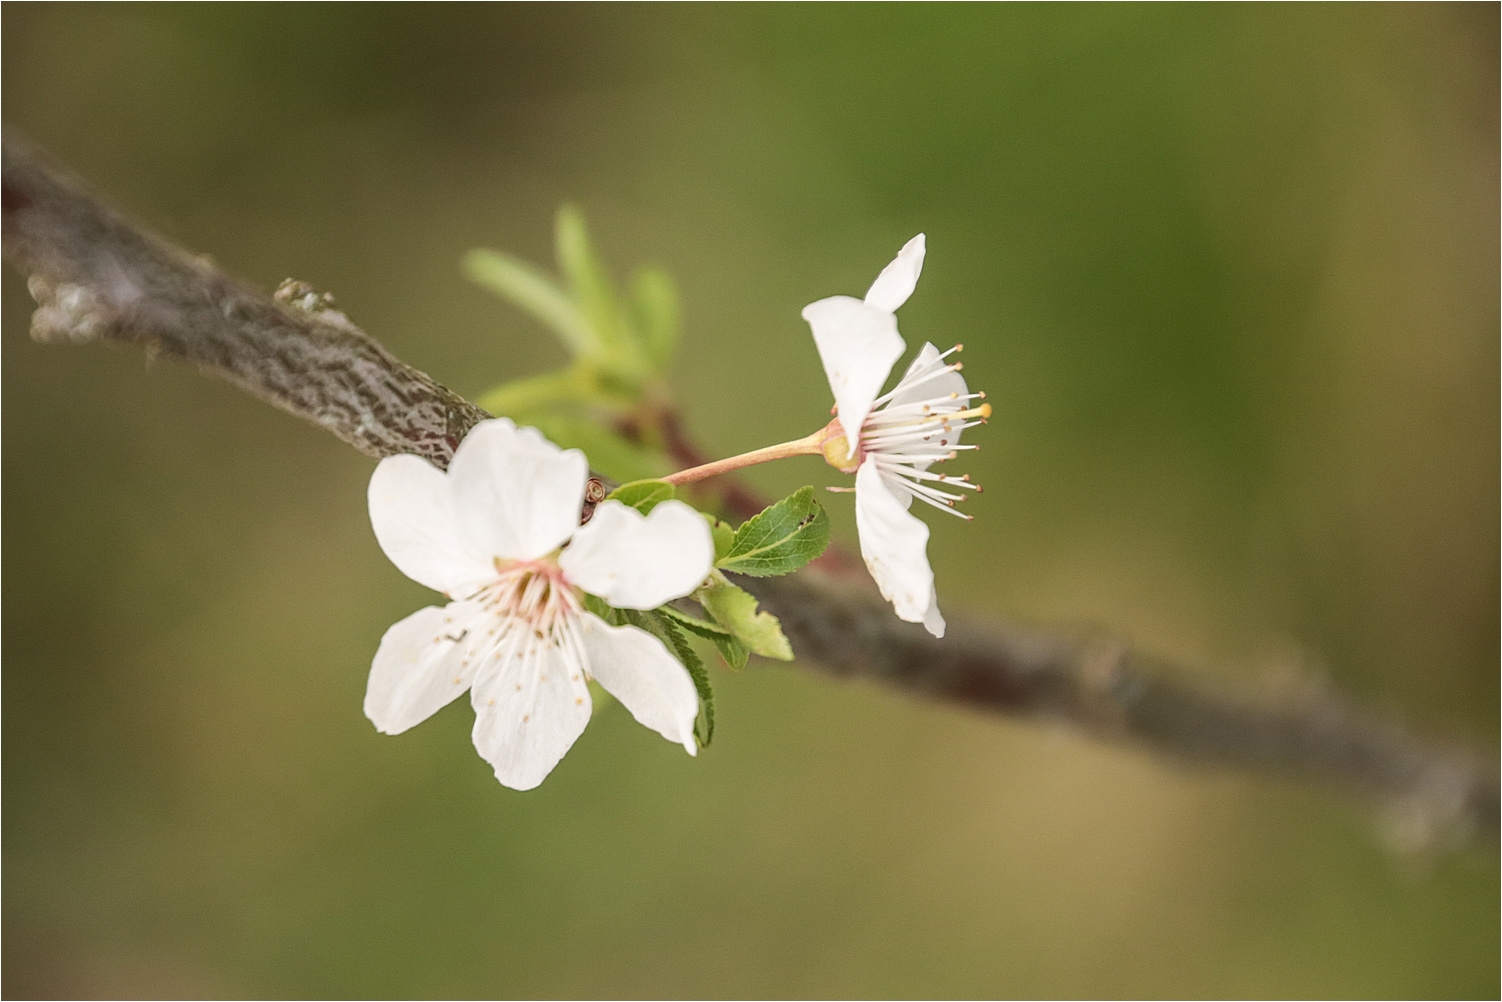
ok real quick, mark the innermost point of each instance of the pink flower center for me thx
(533, 591)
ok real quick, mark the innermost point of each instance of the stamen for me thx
(928, 491)
(886, 439)
(920, 410)
(950, 509)
(934, 477)
(947, 402)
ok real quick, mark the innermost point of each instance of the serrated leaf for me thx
(696, 671)
(732, 650)
(531, 291)
(598, 606)
(643, 495)
(591, 290)
(735, 609)
(735, 653)
(693, 624)
(655, 314)
(781, 539)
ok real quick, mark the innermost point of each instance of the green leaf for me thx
(663, 629)
(609, 453)
(723, 534)
(655, 314)
(598, 606)
(591, 288)
(643, 495)
(732, 650)
(533, 292)
(735, 609)
(693, 624)
(735, 653)
(523, 395)
(696, 671)
(780, 539)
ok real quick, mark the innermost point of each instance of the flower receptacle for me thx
(834, 446)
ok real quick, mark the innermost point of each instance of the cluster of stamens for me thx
(907, 438)
(533, 608)
(534, 592)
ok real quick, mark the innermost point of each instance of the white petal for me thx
(858, 345)
(893, 543)
(413, 519)
(531, 704)
(636, 561)
(933, 620)
(898, 279)
(637, 669)
(516, 495)
(907, 391)
(898, 489)
(423, 662)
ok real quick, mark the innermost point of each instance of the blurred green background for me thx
(1229, 274)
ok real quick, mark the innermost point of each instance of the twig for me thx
(98, 277)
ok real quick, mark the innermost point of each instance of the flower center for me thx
(918, 425)
(533, 591)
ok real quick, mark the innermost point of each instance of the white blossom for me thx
(499, 535)
(890, 441)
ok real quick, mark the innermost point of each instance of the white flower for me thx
(890, 441)
(487, 534)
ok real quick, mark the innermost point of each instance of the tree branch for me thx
(98, 277)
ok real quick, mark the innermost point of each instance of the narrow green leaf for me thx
(780, 539)
(598, 606)
(735, 653)
(696, 671)
(732, 650)
(590, 286)
(655, 314)
(533, 292)
(735, 609)
(643, 495)
(523, 395)
(693, 624)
